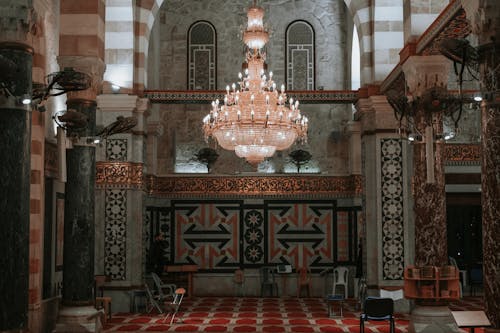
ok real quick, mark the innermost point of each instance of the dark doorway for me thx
(465, 242)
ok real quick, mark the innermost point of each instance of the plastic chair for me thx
(304, 281)
(173, 307)
(267, 281)
(378, 309)
(153, 300)
(340, 278)
(160, 286)
(463, 274)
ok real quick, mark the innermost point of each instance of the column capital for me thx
(18, 21)
(424, 72)
(117, 103)
(93, 66)
(143, 105)
(353, 127)
(375, 114)
(155, 128)
(484, 18)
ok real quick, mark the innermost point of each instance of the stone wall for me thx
(182, 136)
(327, 17)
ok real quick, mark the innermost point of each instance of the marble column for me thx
(388, 246)
(79, 206)
(422, 73)
(484, 16)
(15, 141)
(78, 269)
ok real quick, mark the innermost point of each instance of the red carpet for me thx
(274, 315)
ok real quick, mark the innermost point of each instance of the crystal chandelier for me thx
(255, 119)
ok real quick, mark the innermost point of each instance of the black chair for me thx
(476, 279)
(377, 309)
(267, 281)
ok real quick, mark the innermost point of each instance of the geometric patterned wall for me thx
(115, 218)
(392, 209)
(116, 149)
(115, 232)
(221, 235)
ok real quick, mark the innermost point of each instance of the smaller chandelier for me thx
(255, 118)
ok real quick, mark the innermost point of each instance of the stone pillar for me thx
(16, 58)
(15, 139)
(422, 73)
(354, 132)
(78, 270)
(484, 16)
(384, 168)
(119, 189)
(155, 130)
(79, 222)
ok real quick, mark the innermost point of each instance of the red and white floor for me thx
(249, 314)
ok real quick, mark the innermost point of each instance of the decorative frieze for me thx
(310, 186)
(451, 23)
(125, 175)
(462, 153)
(128, 175)
(205, 97)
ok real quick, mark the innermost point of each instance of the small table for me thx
(184, 269)
(331, 300)
(470, 319)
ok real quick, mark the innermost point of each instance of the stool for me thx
(331, 300)
(104, 303)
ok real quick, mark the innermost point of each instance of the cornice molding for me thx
(206, 97)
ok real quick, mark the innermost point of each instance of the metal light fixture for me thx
(433, 100)
(59, 83)
(254, 119)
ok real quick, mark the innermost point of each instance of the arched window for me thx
(300, 56)
(202, 56)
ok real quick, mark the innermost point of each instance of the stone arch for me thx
(365, 14)
(380, 32)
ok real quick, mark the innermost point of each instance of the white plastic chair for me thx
(340, 278)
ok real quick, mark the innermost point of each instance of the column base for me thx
(74, 319)
(432, 319)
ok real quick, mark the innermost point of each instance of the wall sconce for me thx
(120, 125)
(26, 99)
(71, 120)
(115, 88)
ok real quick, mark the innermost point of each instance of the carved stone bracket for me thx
(425, 72)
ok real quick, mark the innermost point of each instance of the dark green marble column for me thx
(15, 140)
(79, 228)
